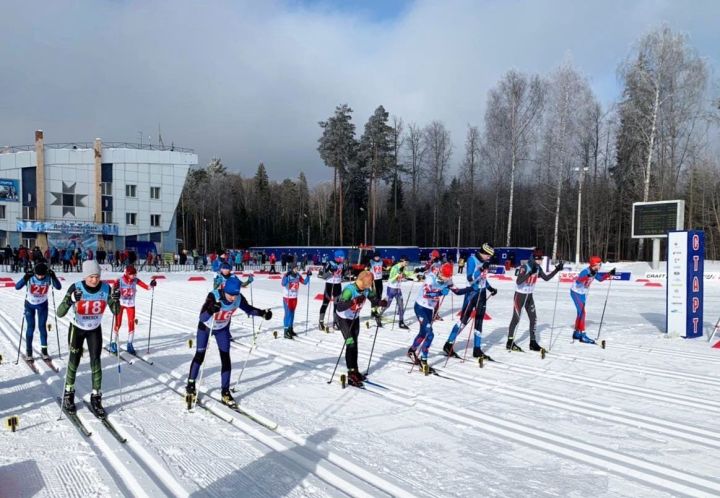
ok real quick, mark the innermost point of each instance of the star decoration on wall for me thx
(68, 199)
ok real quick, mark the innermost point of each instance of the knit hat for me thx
(90, 267)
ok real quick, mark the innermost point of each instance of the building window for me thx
(106, 188)
(107, 217)
(2, 212)
(154, 192)
(154, 220)
(29, 213)
(130, 218)
(130, 190)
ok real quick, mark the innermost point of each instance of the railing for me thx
(90, 145)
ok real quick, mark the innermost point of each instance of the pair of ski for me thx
(48, 361)
(130, 361)
(366, 381)
(481, 360)
(73, 417)
(192, 400)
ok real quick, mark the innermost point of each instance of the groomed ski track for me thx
(519, 405)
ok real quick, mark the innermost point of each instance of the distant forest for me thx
(544, 139)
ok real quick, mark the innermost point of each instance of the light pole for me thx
(205, 234)
(457, 255)
(579, 207)
(365, 236)
(308, 222)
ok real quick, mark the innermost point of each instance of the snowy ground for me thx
(636, 419)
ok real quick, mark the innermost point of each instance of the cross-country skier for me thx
(333, 271)
(88, 298)
(579, 292)
(524, 286)
(128, 284)
(398, 274)
(426, 304)
(215, 317)
(224, 273)
(477, 272)
(38, 284)
(376, 268)
(347, 309)
(291, 284)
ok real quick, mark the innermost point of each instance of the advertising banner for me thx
(685, 265)
(9, 190)
(73, 227)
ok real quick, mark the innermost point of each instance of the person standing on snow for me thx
(426, 304)
(38, 284)
(579, 291)
(88, 298)
(347, 309)
(224, 273)
(333, 271)
(215, 317)
(398, 274)
(291, 284)
(476, 299)
(376, 268)
(524, 287)
(128, 284)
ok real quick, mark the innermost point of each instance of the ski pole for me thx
(467, 344)
(307, 308)
(119, 363)
(717, 324)
(57, 332)
(152, 301)
(397, 300)
(371, 350)
(552, 326)
(603, 311)
(202, 366)
(22, 325)
(337, 363)
(409, 296)
(251, 304)
(252, 347)
(71, 340)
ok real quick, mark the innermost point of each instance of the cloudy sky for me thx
(248, 81)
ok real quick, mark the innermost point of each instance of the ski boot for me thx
(44, 353)
(378, 319)
(96, 405)
(534, 346)
(321, 326)
(190, 394)
(449, 350)
(29, 356)
(511, 346)
(413, 356)
(402, 325)
(131, 349)
(582, 337)
(113, 348)
(68, 404)
(292, 333)
(228, 400)
(355, 378)
(479, 353)
(287, 334)
(425, 368)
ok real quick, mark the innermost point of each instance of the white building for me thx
(91, 194)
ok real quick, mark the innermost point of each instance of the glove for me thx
(485, 265)
(492, 290)
(382, 303)
(115, 294)
(215, 307)
(308, 274)
(613, 271)
(27, 276)
(559, 266)
(250, 280)
(267, 314)
(445, 291)
(76, 295)
(419, 269)
(51, 272)
(153, 282)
